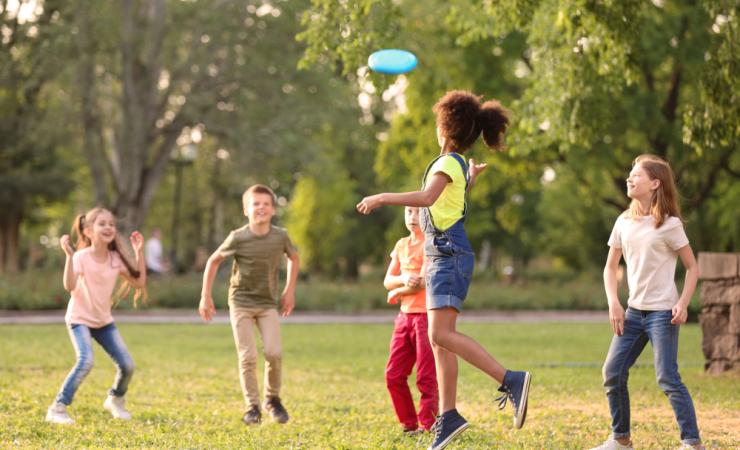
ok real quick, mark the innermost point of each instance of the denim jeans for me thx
(110, 339)
(639, 328)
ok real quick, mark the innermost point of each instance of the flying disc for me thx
(392, 61)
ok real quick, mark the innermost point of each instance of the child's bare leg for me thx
(442, 333)
(446, 365)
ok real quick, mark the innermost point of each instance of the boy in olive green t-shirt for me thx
(258, 249)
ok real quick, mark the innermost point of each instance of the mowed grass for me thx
(185, 393)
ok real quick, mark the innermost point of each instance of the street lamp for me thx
(181, 156)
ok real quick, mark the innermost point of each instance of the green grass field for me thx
(185, 393)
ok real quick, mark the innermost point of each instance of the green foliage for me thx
(185, 392)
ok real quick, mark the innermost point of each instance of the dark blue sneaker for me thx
(447, 426)
(516, 389)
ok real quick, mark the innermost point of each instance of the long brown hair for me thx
(664, 202)
(461, 118)
(86, 220)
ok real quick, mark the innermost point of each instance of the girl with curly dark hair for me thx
(461, 120)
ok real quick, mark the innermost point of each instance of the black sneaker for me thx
(447, 426)
(516, 389)
(276, 409)
(253, 416)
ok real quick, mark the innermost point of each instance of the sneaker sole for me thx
(522, 413)
(452, 436)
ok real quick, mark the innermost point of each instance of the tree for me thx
(31, 171)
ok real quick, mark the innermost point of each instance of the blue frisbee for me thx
(392, 61)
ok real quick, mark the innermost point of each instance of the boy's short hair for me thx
(258, 189)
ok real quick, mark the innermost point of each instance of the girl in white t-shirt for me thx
(90, 275)
(650, 236)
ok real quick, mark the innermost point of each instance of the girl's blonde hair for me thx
(86, 220)
(664, 202)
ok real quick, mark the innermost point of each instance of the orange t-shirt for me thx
(411, 259)
(90, 302)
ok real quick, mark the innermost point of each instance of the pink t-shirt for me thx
(90, 302)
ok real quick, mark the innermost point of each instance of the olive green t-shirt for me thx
(255, 272)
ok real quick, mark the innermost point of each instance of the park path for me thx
(222, 317)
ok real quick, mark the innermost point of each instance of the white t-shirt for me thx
(153, 255)
(650, 254)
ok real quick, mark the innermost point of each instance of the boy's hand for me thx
(680, 314)
(206, 309)
(368, 204)
(66, 246)
(411, 280)
(393, 297)
(288, 303)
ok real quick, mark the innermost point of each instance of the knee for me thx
(247, 361)
(612, 377)
(84, 363)
(128, 367)
(273, 356)
(438, 338)
(394, 378)
(670, 382)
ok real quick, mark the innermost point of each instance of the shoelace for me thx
(501, 399)
(437, 427)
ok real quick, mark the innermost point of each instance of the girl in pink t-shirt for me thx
(90, 275)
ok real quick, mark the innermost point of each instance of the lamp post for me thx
(181, 157)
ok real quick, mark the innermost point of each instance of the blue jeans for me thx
(110, 339)
(639, 328)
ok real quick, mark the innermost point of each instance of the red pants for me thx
(409, 345)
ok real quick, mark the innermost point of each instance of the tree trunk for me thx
(10, 223)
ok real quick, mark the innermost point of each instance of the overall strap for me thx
(464, 168)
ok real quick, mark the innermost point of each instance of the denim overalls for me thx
(450, 258)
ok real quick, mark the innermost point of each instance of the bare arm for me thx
(680, 313)
(424, 198)
(137, 243)
(69, 279)
(206, 308)
(288, 297)
(393, 278)
(616, 311)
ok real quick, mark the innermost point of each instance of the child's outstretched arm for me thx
(69, 280)
(206, 308)
(424, 198)
(680, 313)
(288, 298)
(616, 311)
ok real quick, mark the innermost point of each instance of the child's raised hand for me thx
(66, 246)
(137, 241)
(368, 204)
(475, 169)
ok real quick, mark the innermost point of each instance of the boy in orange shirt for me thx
(410, 341)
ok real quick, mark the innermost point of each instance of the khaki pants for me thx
(242, 324)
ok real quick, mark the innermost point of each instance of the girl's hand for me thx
(288, 303)
(137, 241)
(679, 315)
(368, 204)
(66, 246)
(206, 308)
(475, 169)
(616, 317)
(411, 280)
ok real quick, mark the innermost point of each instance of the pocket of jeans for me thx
(442, 244)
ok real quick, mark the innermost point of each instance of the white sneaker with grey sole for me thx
(117, 407)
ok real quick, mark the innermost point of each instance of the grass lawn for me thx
(185, 393)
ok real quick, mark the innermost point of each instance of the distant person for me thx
(90, 274)
(156, 263)
(650, 235)
(461, 118)
(258, 249)
(410, 342)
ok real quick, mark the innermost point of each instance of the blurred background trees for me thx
(165, 111)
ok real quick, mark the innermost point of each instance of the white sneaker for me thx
(116, 406)
(57, 413)
(613, 444)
